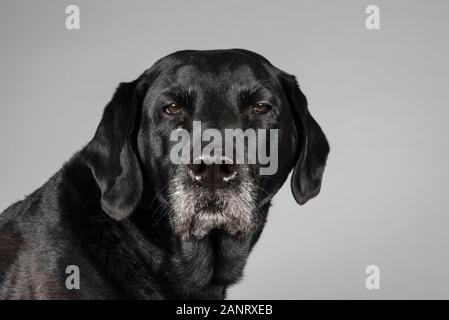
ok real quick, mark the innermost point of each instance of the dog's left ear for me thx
(313, 148)
(112, 157)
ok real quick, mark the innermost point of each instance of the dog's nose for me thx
(213, 175)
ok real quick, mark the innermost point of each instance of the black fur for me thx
(104, 211)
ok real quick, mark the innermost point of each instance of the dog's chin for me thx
(195, 213)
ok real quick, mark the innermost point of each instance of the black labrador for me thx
(137, 226)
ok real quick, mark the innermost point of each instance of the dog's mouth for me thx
(196, 211)
(213, 204)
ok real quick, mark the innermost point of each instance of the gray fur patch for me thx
(234, 209)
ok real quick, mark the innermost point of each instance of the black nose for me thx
(213, 175)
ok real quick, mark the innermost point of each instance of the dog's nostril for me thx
(228, 170)
(198, 168)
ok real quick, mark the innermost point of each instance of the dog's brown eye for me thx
(261, 107)
(173, 108)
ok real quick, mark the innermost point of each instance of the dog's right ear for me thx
(111, 155)
(313, 147)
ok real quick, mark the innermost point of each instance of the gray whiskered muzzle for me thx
(195, 211)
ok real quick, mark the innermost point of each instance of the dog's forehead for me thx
(213, 67)
(192, 74)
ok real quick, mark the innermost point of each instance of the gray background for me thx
(380, 96)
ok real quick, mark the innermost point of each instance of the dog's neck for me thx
(195, 269)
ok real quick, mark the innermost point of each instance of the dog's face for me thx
(221, 90)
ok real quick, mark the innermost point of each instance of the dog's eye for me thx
(172, 108)
(261, 107)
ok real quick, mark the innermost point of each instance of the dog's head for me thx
(168, 131)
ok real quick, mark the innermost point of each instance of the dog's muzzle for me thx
(210, 195)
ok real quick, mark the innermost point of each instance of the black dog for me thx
(140, 227)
